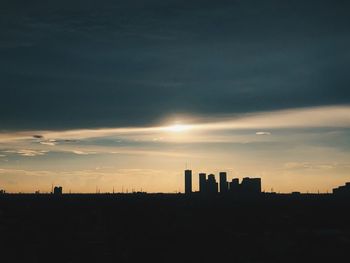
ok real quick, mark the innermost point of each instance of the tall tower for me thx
(223, 183)
(202, 183)
(188, 181)
(212, 185)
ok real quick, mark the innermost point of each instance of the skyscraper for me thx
(188, 181)
(202, 183)
(251, 185)
(212, 185)
(223, 182)
(234, 185)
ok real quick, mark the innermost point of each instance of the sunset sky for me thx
(127, 94)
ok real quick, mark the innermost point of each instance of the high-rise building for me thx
(212, 185)
(251, 185)
(188, 181)
(202, 183)
(223, 182)
(234, 185)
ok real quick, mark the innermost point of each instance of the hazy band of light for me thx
(327, 116)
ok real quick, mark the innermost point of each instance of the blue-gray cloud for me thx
(74, 64)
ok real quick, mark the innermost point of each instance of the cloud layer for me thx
(314, 117)
(135, 63)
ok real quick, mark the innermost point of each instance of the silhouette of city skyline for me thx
(248, 186)
(237, 219)
(208, 186)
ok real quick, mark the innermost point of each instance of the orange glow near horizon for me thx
(291, 150)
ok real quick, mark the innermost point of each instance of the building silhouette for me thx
(202, 183)
(223, 182)
(208, 185)
(343, 190)
(248, 186)
(251, 185)
(234, 185)
(188, 181)
(211, 185)
(57, 190)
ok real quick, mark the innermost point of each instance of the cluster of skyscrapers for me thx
(208, 184)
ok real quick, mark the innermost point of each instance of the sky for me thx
(127, 94)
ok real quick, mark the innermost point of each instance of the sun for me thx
(178, 128)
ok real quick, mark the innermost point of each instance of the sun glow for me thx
(178, 128)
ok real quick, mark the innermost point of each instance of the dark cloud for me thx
(90, 64)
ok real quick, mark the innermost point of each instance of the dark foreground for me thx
(173, 228)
